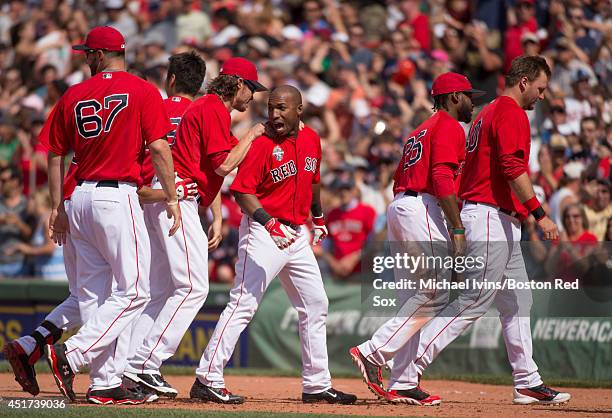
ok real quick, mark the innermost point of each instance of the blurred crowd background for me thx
(365, 68)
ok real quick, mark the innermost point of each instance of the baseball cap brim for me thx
(255, 85)
(475, 93)
(81, 47)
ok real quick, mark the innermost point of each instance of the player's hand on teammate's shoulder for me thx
(549, 228)
(282, 235)
(58, 226)
(257, 130)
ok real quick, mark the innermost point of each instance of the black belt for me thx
(502, 210)
(411, 193)
(295, 227)
(103, 183)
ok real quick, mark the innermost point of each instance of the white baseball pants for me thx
(112, 265)
(496, 235)
(179, 286)
(416, 226)
(259, 262)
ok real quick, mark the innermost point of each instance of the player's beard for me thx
(465, 113)
(95, 67)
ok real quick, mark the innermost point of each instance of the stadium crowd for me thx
(365, 69)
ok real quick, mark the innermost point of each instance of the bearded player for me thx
(424, 194)
(106, 120)
(277, 186)
(497, 194)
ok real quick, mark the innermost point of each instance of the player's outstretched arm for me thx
(237, 154)
(185, 189)
(164, 168)
(282, 235)
(523, 189)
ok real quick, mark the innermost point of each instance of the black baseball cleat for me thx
(62, 373)
(372, 374)
(148, 395)
(155, 382)
(116, 396)
(542, 395)
(330, 395)
(414, 396)
(205, 393)
(22, 369)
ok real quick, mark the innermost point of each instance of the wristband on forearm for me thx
(534, 207)
(261, 216)
(316, 209)
(458, 231)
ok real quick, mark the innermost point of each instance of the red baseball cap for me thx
(103, 37)
(244, 69)
(453, 82)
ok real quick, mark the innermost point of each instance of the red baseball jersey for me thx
(175, 107)
(281, 174)
(501, 128)
(203, 140)
(107, 120)
(349, 229)
(70, 180)
(438, 140)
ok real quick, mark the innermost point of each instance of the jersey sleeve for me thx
(251, 172)
(217, 131)
(513, 136)
(447, 143)
(54, 133)
(155, 123)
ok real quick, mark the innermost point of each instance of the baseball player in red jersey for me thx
(497, 194)
(424, 193)
(24, 352)
(106, 120)
(276, 186)
(205, 151)
(178, 279)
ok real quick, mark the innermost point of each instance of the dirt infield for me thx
(282, 394)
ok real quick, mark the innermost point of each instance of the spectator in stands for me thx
(568, 192)
(568, 258)
(600, 209)
(349, 227)
(530, 44)
(192, 24)
(45, 258)
(524, 22)
(480, 59)
(16, 224)
(120, 19)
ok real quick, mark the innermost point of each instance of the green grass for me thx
(505, 380)
(123, 412)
